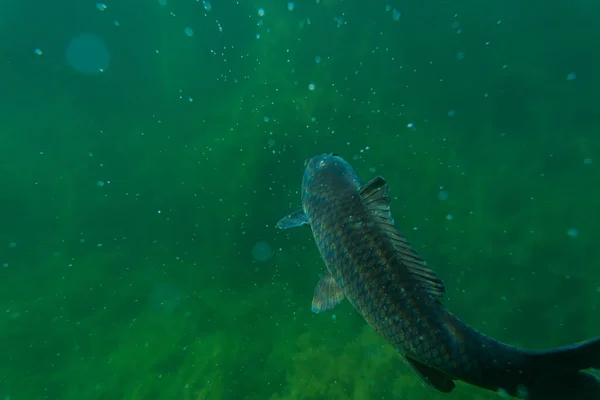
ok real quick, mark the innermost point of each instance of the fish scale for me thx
(361, 260)
(371, 264)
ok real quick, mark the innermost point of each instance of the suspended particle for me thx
(262, 251)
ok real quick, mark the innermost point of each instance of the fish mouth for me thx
(324, 155)
(319, 161)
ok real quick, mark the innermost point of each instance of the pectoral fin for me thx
(327, 294)
(432, 376)
(297, 218)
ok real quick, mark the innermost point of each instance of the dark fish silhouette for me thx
(372, 265)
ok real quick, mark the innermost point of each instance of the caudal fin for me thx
(568, 359)
(572, 386)
(558, 374)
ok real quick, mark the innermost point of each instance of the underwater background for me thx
(148, 148)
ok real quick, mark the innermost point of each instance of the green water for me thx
(131, 199)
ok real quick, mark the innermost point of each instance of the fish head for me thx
(322, 161)
(328, 175)
(323, 169)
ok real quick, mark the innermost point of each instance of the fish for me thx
(372, 265)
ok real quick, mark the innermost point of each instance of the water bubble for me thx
(290, 6)
(38, 52)
(587, 161)
(261, 12)
(311, 86)
(262, 251)
(571, 76)
(317, 59)
(189, 31)
(12, 245)
(396, 14)
(100, 183)
(451, 113)
(449, 217)
(162, 2)
(443, 195)
(101, 6)
(388, 7)
(207, 5)
(460, 55)
(573, 232)
(271, 142)
(87, 54)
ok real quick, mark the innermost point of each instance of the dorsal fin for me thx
(377, 202)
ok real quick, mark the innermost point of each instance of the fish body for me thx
(372, 265)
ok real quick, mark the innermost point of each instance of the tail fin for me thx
(559, 376)
(567, 359)
(572, 386)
